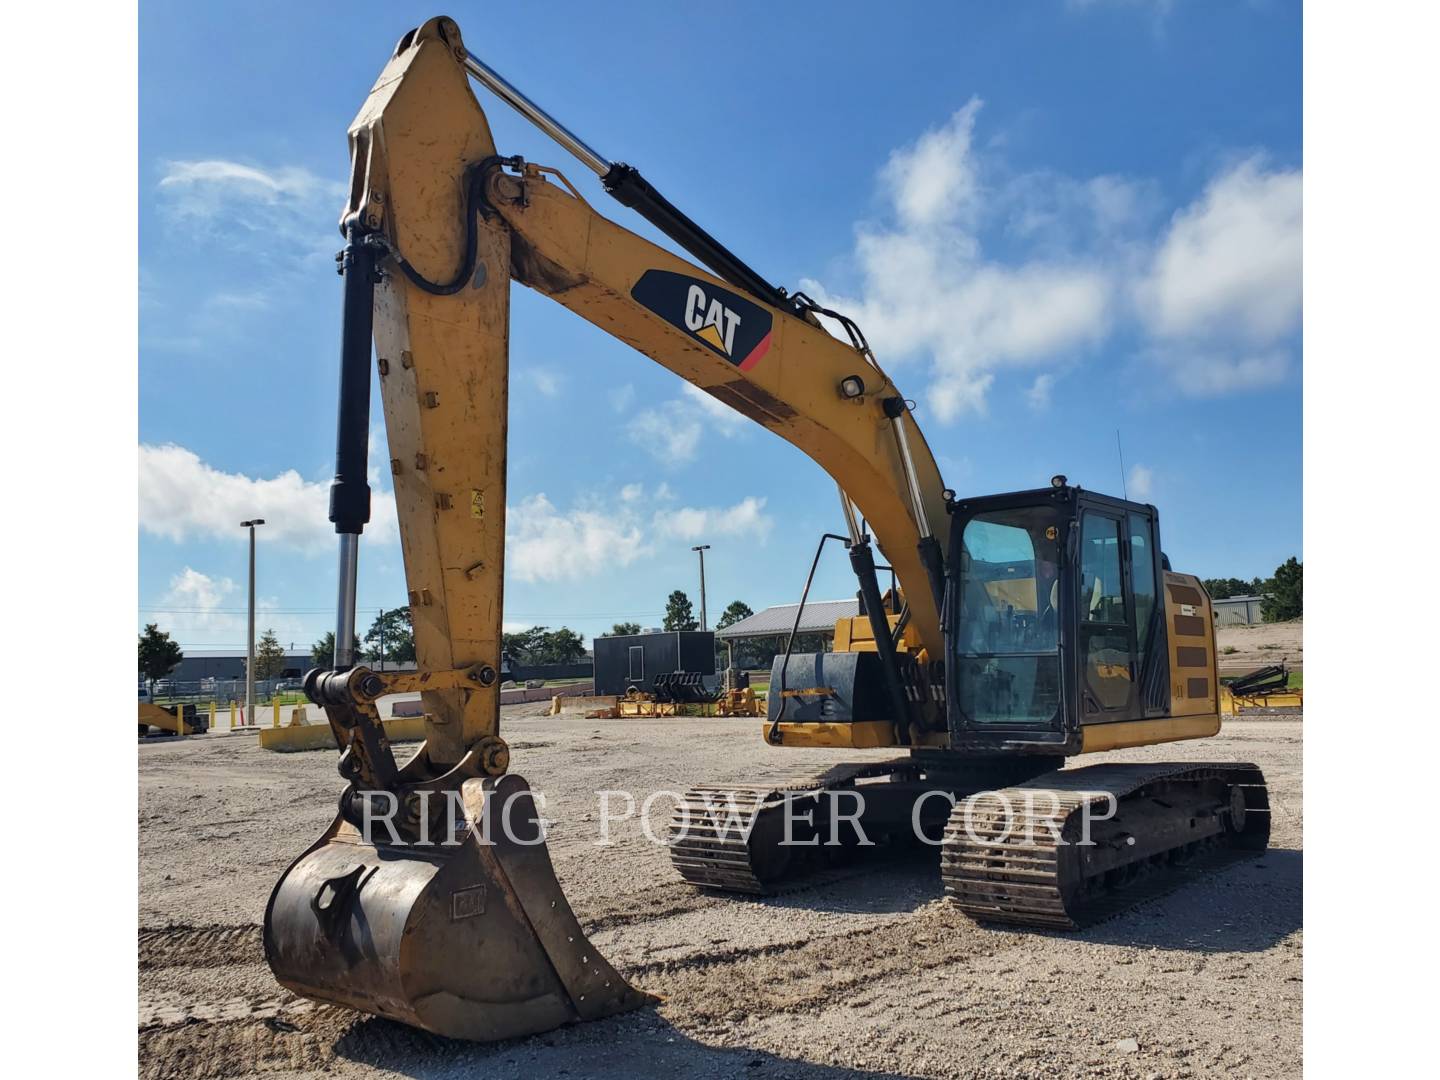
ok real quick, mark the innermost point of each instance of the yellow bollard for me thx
(212, 717)
(276, 721)
(232, 716)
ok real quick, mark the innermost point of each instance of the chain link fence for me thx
(224, 691)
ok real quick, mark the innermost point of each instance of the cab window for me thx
(1142, 580)
(1007, 638)
(1104, 624)
(1102, 589)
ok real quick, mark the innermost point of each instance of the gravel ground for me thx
(874, 975)
(1260, 646)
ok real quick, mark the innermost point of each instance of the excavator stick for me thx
(431, 899)
(473, 941)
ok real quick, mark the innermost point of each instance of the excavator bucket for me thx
(472, 940)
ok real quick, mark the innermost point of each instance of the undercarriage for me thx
(1057, 848)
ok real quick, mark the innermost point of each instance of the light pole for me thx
(702, 548)
(250, 637)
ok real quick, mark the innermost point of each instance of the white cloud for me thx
(1141, 483)
(1219, 284)
(746, 518)
(275, 215)
(190, 607)
(929, 292)
(1230, 264)
(1222, 295)
(547, 382)
(1202, 373)
(254, 300)
(622, 397)
(934, 181)
(1038, 395)
(204, 188)
(183, 498)
(670, 433)
(205, 610)
(280, 221)
(717, 413)
(544, 543)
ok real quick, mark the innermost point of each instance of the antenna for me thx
(1120, 450)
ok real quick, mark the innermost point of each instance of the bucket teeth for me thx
(473, 940)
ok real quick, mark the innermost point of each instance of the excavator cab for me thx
(1054, 621)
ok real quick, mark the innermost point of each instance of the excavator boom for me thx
(436, 226)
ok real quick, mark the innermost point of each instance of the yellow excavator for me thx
(1023, 629)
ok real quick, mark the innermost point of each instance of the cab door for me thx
(1005, 673)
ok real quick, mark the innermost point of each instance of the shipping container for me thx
(628, 660)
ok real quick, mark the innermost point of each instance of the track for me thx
(728, 838)
(1016, 855)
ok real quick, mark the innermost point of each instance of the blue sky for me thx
(1053, 220)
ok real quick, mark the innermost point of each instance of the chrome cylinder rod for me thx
(902, 440)
(491, 79)
(345, 609)
(852, 525)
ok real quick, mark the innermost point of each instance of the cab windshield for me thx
(1007, 640)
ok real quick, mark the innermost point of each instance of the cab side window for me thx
(1142, 580)
(1104, 624)
(1102, 588)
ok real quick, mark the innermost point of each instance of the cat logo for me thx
(724, 322)
(714, 323)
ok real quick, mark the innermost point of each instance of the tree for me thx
(623, 629)
(269, 656)
(158, 655)
(737, 610)
(563, 646)
(392, 630)
(680, 613)
(322, 653)
(1224, 588)
(525, 646)
(1284, 598)
(541, 645)
(736, 651)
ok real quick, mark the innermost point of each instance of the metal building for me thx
(626, 660)
(230, 664)
(1238, 611)
(819, 617)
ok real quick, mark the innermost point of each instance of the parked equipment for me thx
(171, 720)
(1265, 689)
(1027, 628)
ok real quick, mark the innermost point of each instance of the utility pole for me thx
(702, 548)
(382, 639)
(250, 637)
